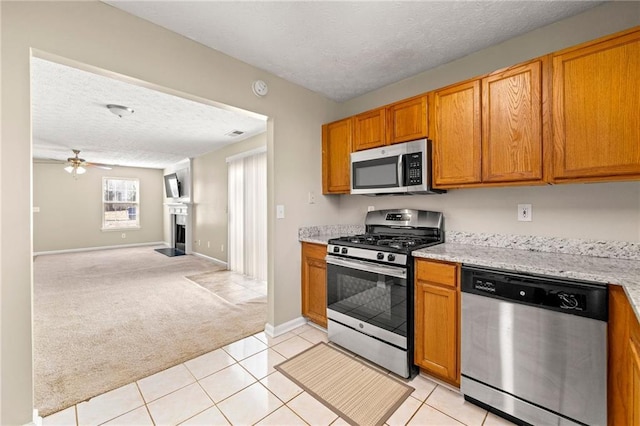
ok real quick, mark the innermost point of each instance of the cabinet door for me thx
(370, 130)
(618, 374)
(336, 149)
(456, 135)
(408, 120)
(596, 99)
(436, 325)
(634, 391)
(512, 124)
(314, 283)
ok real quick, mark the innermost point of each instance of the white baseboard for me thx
(40, 253)
(37, 420)
(276, 331)
(213, 259)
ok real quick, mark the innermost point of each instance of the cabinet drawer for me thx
(437, 272)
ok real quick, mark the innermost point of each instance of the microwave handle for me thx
(400, 171)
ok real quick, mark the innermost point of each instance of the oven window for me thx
(378, 173)
(377, 299)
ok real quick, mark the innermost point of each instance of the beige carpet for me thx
(356, 392)
(106, 318)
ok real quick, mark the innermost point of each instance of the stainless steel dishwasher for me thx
(534, 348)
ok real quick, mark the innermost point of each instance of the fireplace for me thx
(179, 232)
(180, 223)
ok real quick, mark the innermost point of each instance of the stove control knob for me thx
(380, 256)
(344, 250)
(391, 257)
(336, 249)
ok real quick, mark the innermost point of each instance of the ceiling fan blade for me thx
(99, 166)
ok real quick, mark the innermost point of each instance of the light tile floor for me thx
(238, 385)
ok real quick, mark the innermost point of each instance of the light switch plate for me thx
(279, 211)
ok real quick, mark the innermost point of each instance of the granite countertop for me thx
(624, 272)
(322, 234)
(607, 262)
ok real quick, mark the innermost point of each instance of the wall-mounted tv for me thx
(172, 186)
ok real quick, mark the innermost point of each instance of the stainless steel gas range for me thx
(370, 286)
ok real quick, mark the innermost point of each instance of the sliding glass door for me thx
(248, 215)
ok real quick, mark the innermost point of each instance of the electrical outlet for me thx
(221, 247)
(208, 244)
(279, 211)
(525, 213)
(198, 242)
(124, 235)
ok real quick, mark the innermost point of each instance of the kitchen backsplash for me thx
(613, 249)
(595, 248)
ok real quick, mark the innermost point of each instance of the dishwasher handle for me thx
(582, 298)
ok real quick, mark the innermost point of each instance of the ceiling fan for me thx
(77, 166)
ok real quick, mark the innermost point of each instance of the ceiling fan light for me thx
(68, 169)
(81, 170)
(119, 110)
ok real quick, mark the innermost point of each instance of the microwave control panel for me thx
(413, 167)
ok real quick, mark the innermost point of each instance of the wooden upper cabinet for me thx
(512, 138)
(596, 110)
(399, 122)
(336, 151)
(369, 129)
(456, 134)
(407, 120)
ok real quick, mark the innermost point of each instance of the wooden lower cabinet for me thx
(624, 361)
(437, 320)
(314, 283)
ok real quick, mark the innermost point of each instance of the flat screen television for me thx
(172, 186)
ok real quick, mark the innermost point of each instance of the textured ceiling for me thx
(69, 112)
(343, 49)
(340, 49)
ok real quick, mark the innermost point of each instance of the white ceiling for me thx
(69, 111)
(340, 49)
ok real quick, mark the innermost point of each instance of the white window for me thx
(120, 203)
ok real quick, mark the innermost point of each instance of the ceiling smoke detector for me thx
(119, 110)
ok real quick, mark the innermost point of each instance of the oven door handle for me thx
(360, 265)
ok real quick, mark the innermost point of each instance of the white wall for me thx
(601, 211)
(210, 178)
(136, 48)
(607, 211)
(70, 214)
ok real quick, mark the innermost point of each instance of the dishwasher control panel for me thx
(558, 294)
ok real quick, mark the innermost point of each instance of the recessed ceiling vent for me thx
(235, 133)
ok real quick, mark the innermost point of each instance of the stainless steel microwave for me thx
(403, 168)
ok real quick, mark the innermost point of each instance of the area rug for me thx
(356, 392)
(103, 319)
